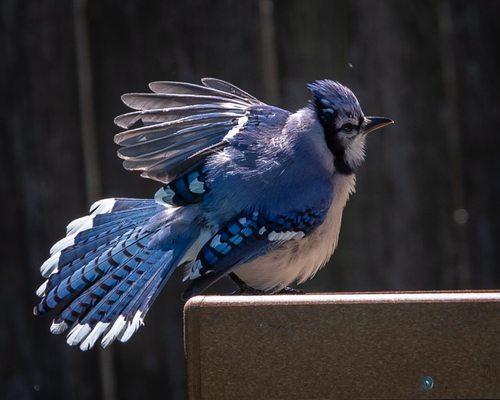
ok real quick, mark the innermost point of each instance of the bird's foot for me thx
(290, 290)
(249, 291)
(243, 288)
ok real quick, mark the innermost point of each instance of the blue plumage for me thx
(189, 188)
(248, 189)
(244, 238)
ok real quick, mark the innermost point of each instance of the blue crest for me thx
(332, 97)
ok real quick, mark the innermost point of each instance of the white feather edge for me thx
(114, 332)
(92, 337)
(86, 337)
(197, 186)
(86, 222)
(284, 236)
(80, 224)
(58, 327)
(132, 326)
(64, 243)
(77, 334)
(50, 266)
(193, 271)
(233, 131)
(161, 193)
(40, 292)
(103, 206)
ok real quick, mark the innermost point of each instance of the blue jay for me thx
(250, 191)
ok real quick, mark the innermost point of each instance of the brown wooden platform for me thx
(430, 345)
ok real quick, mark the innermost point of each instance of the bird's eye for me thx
(347, 127)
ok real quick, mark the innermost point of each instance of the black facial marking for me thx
(347, 127)
(327, 118)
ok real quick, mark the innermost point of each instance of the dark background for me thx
(426, 214)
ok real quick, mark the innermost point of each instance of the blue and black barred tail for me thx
(105, 274)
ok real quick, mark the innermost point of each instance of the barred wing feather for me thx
(177, 125)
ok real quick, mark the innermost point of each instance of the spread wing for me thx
(179, 124)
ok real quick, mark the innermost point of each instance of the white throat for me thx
(355, 151)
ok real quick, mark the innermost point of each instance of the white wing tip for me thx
(92, 337)
(40, 292)
(285, 235)
(102, 206)
(80, 224)
(62, 244)
(77, 334)
(50, 265)
(234, 131)
(58, 327)
(132, 326)
(114, 332)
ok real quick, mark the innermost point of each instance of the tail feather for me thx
(112, 305)
(127, 247)
(136, 310)
(110, 314)
(102, 226)
(76, 259)
(109, 269)
(90, 240)
(106, 300)
(97, 291)
(114, 317)
(91, 225)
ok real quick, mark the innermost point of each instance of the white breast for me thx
(299, 260)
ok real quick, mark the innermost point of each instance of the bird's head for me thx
(344, 124)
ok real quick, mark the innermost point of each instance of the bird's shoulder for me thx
(248, 143)
(277, 157)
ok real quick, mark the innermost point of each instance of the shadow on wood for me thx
(428, 345)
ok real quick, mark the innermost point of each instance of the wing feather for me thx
(146, 101)
(175, 113)
(158, 146)
(171, 169)
(177, 128)
(189, 88)
(228, 88)
(174, 128)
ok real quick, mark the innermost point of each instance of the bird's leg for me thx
(243, 287)
(290, 290)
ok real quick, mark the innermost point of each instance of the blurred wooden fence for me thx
(426, 214)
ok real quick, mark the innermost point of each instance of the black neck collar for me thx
(327, 120)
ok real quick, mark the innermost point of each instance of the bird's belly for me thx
(299, 260)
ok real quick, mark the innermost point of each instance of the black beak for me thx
(374, 123)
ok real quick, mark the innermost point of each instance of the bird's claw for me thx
(248, 291)
(290, 290)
